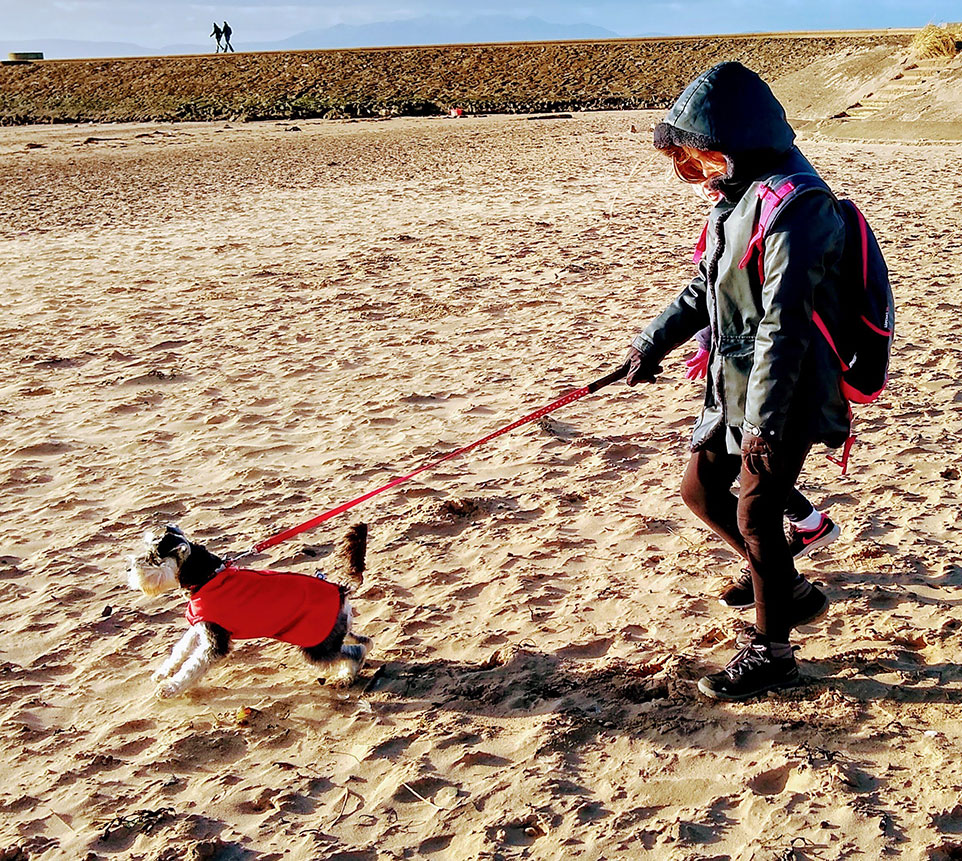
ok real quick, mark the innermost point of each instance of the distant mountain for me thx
(430, 30)
(427, 30)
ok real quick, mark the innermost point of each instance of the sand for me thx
(234, 328)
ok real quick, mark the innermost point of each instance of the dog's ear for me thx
(176, 543)
(173, 544)
(180, 552)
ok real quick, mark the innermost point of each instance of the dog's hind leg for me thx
(185, 645)
(344, 667)
(212, 646)
(339, 667)
(366, 643)
(348, 664)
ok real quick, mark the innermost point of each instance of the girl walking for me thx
(772, 381)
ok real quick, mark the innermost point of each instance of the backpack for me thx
(863, 345)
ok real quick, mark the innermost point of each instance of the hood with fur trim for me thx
(731, 110)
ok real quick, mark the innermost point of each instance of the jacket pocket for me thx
(737, 358)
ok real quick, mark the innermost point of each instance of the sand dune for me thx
(234, 328)
(506, 78)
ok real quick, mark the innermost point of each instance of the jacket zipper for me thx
(712, 273)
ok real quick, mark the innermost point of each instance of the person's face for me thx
(702, 190)
(695, 166)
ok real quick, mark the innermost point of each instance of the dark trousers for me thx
(752, 522)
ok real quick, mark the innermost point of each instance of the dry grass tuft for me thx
(933, 41)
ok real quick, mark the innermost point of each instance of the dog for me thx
(230, 603)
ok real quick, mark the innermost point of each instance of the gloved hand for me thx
(697, 365)
(640, 368)
(757, 454)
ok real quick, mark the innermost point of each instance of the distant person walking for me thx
(217, 33)
(226, 30)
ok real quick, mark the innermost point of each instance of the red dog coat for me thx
(294, 608)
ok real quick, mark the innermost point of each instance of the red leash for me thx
(537, 414)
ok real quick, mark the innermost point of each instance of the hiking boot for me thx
(801, 542)
(809, 603)
(809, 606)
(754, 670)
(741, 594)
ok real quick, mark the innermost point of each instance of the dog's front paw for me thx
(169, 689)
(342, 678)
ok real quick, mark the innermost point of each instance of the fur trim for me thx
(667, 135)
(743, 167)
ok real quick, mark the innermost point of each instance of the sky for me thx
(156, 23)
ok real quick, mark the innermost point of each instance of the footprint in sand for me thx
(592, 649)
(390, 748)
(9, 568)
(435, 844)
(439, 791)
(202, 748)
(772, 782)
(949, 821)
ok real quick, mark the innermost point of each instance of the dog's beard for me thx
(152, 579)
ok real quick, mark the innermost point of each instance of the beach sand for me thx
(234, 328)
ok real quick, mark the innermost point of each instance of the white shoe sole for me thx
(793, 680)
(728, 606)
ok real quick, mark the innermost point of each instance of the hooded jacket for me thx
(770, 371)
(294, 608)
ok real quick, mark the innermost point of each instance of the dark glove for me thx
(757, 454)
(640, 368)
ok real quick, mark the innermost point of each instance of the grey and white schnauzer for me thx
(227, 603)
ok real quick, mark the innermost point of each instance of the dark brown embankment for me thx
(518, 77)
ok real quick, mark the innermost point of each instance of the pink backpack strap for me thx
(846, 448)
(701, 245)
(846, 451)
(770, 201)
(863, 234)
(820, 324)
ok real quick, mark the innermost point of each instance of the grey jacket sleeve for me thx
(678, 322)
(805, 242)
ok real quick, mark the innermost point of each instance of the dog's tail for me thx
(351, 555)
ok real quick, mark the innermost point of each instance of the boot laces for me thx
(753, 654)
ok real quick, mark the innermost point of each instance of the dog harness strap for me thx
(537, 414)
